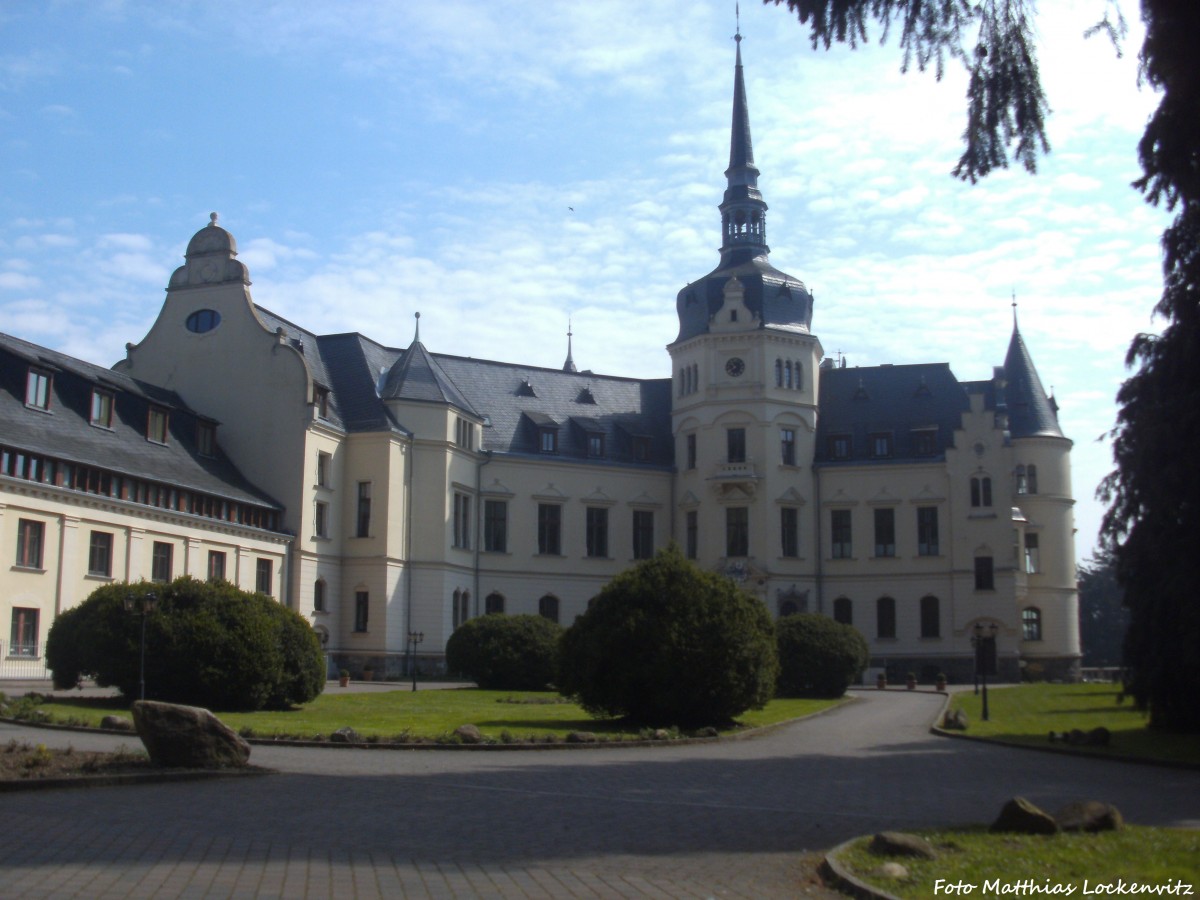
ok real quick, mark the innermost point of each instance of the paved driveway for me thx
(665, 821)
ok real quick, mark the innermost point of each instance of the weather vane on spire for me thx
(737, 15)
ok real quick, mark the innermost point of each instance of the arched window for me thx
(1031, 478)
(1022, 483)
(799, 381)
(981, 491)
(779, 373)
(319, 595)
(788, 608)
(843, 611)
(548, 607)
(885, 617)
(931, 626)
(787, 374)
(1031, 624)
(493, 604)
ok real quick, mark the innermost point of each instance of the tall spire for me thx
(743, 212)
(569, 365)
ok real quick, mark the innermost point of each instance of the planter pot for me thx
(941, 684)
(880, 682)
(368, 674)
(911, 684)
(343, 680)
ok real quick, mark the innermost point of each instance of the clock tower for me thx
(745, 400)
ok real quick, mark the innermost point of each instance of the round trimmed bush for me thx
(666, 643)
(818, 657)
(207, 644)
(506, 653)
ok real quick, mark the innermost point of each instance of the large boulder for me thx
(187, 737)
(899, 843)
(1022, 817)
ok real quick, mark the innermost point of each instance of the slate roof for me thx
(893, 400)
(65, 431)
(1031, 413)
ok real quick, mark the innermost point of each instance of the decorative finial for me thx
(737, 14)
(212, 218)
(417, 335)
(1014, 307)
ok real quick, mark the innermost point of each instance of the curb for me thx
(841, 878)
(93, 781)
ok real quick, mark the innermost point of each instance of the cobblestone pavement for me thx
(732, 819)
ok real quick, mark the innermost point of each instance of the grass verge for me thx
(1026, 714)
(504, 716)
(1000, 864)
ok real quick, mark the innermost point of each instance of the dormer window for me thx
(464, 434)
(156, 425)
(881, 445)
(923, 442)
(595, 445)
(839, 446)
(547, 440)
(102, 408)
(321, 401)
(37, 389)
(206, 438)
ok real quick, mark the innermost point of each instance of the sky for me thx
(505, 168)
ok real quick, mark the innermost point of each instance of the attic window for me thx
(881, 445)
(37, 389)
(547, 440)
(206, 438)
(923, 442)
(102, 408)
(321, 401)
(586, 396)
(922, 389)
(525, 389)
(156, 425)
(595, 445)
(861, 392)
(839, 446)
(203, 321)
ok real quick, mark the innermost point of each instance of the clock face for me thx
(735, 367)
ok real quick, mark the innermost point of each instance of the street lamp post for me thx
(415, 637)
(984, 647)
(142, 604)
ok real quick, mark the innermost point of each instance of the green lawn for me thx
(1155, 856)
(386, 715)
(1027, 713)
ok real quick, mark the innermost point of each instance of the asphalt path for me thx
(725, 819)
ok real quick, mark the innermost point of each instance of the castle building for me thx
(401, 491)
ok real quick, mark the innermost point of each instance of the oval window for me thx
(203, 320)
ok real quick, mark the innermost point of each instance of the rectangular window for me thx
(788, 446)
(885, 618)
(1032, 560)
(693, 534)
(362, 602)
(495, 526)
(363, 519)
(595, 445)
(100, 554)
(984, 574)
(691, 451)
(30, 539)
(597, 531)
(927, 531)
(549, 529)
(262, 577)
(462, 521)
(839, 446)
(737, 531)
(924, 442)
(102, 408)
(881, 446)
(885, 532)
(548, 440)
(160, 562)
(37, 389)
(735, 445)
(216, 565)
(321, 520)
(464, 434)
(789, 531)
(321, 401)
(206, 438)
(643, 534)
(156, 425)
(839, 521)
(930, 617)
(24, 635)
(323, 462)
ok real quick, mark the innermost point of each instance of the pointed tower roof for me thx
(1031, 413)
(569, 365)
(417, 376)
(774, 298)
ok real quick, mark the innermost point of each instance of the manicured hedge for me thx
(818, 657)
(207, 644)
(506, 653)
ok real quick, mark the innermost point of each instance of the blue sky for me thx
(502, 166)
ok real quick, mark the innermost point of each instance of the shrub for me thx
(666, 643)
(818, 657)
(506, 653)
(207, 644)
